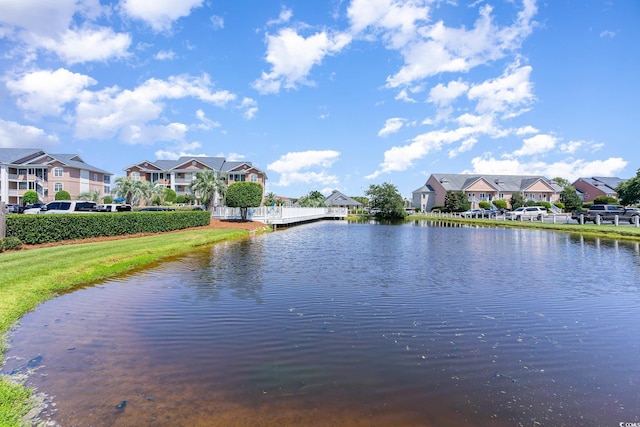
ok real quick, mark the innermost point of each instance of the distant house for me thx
(24, 169)
(178, 174)
(487, 188)
(590, 188)
(339, 200)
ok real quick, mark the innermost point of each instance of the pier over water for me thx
(281, 215)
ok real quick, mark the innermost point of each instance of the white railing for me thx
(280, 214)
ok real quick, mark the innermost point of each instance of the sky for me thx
(324, 95)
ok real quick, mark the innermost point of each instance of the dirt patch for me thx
(251, 226)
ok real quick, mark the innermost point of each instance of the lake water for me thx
(350, 325)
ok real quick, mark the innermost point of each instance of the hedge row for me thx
(43, 228)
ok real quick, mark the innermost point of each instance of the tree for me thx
(517, 200)
(93, 196)
(244, 195)
(387, 200)
(605, 200)
(30, 197)
(170, 196)
(456, 201)
(570, 198)
(314, 199)
(107, 199)
(561, 182)
(271, 199)
(361, 199)
(125, 187)
(205, 186)
(629, 191)
(63, 195)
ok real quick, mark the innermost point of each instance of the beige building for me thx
(24, 169)
(487, 188)
(178, 174)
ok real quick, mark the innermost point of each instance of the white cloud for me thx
(607, 33)
(526, 130)
(284, 17)
(165, 55)
(15, 135)
(205, 123)
(300, 167)
(445, 95)
(392, 125)
(150, 134)
(46, 92)
(440, 49)
(537, 144)
(571, 147)
(403, 95)
(111, 111)
(465, 146)
(159, 14)
(508, 94)
(250, 108)
(88, 44)
(217, 22)
(292, 56)
(570, 170)
(183, 149)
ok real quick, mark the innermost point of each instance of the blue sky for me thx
(324, 95)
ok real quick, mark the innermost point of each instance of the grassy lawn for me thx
(605, 230)
(33, 276)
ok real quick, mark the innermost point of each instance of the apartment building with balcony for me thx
(24, 169)
(178, 174)
(487, 188)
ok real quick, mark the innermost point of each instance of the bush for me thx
(10, 243)
(545, 204)
(107, 199)
(36, 229)
(559, 205)
(484, 205)
(63, 195)
(605, 200)
(500, 204)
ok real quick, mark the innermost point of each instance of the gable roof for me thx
(336, 198)
(602, 181)
(20, 156)
(504, 183)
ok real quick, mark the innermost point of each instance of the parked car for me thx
(66, 206)
(113, 207)
(156, 209)
(527, 212)
(32, 208)
(473, 213)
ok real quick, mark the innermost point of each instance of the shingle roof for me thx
(336, 198)
(17, 155)
(611, 182)
(506, 183)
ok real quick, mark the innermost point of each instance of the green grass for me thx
(33, 276)
(607, 231)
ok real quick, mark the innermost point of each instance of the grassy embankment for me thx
(605, 230)
(28, 278)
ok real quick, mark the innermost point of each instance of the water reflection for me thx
(351, 324)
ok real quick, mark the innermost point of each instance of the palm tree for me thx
(125, 187)
(93, 196)
(206, 186)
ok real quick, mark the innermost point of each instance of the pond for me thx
(344, 324)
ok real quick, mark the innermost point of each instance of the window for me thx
(57, 172)
(135, 176)
(106, 189)
(57, 187)
(22, 185)
(253, 177)
(95, 176)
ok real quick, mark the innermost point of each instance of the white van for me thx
(113, 207)
(66, 206)
(528, 212)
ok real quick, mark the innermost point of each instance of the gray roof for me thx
(20, 155)
(506, 183)
(610, 182)
(336, 198)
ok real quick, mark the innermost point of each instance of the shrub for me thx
(605, 200)
(559, 205)
(107, 199)
(484, 205)
(10, 243)
(63, 195)
(500, 204)
(35, 229)
(545, 204)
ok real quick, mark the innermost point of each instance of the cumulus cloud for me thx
(445, 95)
(88, 44)
(15, 135)
(159, 14)
(183, 149)
(392, 125)
(292, 56)
(46, 92)
(284, 17)
(165, 55)
(217, 22)
(205, 123)
(249, 107)
(537, 144)
(568, 169)
(509, 94)
(305, 167)
(111, 111)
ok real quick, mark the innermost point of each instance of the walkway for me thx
(280, 215)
